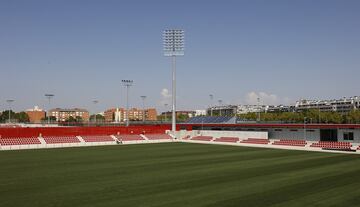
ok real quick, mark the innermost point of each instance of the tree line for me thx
(17, 117)
(22, 117)
(309, 116)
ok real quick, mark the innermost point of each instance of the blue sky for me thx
(235, 50)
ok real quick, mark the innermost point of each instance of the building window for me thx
(348, 135)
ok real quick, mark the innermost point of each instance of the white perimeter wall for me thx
(217, 134)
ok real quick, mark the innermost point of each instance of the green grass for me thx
(177, 174)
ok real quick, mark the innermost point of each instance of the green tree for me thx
(70, 119)
(4, 117)
(99, 118)
(182, 117)
(22, 117)
(248, 116)
(354, 117)
(79, 119)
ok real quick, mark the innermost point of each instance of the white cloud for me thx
(265, 98)
(165, 96)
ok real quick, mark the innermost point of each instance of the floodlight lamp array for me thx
(127, 82)
(173, 42)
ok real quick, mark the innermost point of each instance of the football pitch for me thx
(177, 174)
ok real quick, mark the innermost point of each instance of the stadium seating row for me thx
(334, 145)
(227, 139)
(19, 141)
(284, 142)
(255, 141)
(158, 136)
(98, 138)
(202, 138)
(74, 139)
(108, 138)
(61, 140)
(127, 137)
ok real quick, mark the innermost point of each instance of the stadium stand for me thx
(19, 141)
(255, 141)
(289, 142)
(202, 138)
(211, 119)
(332, 145)
(157, 136)
(129, 137)
(227, 139)
(61, 139)
(97, 138)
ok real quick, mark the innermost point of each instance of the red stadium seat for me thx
(289, 142)
(330, 145)
(202, 138)
(158, 136)
(255, 141)
(98, 138)
(227, 139)
(61, 139)
(19, 141)
(129, 137)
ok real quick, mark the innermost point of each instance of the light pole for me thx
(173, 42)
(211, 102)
(319, 112)
(95, 102)
(10, 101)
(220, 104)
(305, 128)
(49, 97)
(143, 102)
(166, 111)
(258, 106)
(127, 84)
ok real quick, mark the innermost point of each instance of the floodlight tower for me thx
(10, 101)
(173, 42)
(259, 110)
(305, 128)
(211, 101)
(318, 104)
(127, 84)
(220, 105)
(143, 102)
(49, 97)
(166, 111)
(95, 102)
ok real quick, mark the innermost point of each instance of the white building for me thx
(343, 105)
(200, 112)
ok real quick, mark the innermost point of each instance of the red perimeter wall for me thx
(74, 131)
